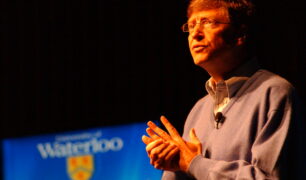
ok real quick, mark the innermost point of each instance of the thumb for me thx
(195, 140)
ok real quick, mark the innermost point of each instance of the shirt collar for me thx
(234, 80)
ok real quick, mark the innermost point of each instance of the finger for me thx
(193, 136)
(172, 159)
(158, 165)
(173, 152)
(195, 140)
(166, 151)
(152, 134)
(157, 150)
(153, 145)
(146, 139)
(166, 163)
(164, 160)
(160, 148)
(158, 160)
(159, 131)
(171, 129)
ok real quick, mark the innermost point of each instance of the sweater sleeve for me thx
(179, 175)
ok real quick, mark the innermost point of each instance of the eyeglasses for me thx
(204, 23)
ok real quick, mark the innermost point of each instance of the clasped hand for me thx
(169, 151)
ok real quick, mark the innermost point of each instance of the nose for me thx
(197, 33)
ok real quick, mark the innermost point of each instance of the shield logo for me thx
(80, 167)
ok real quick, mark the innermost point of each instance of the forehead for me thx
(216, 14)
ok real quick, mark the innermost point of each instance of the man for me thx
(243, 128)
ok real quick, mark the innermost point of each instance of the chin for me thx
(200, 60)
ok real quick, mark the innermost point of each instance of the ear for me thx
(241, 35)
(241, 40)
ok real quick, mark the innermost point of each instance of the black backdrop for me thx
(76, 64)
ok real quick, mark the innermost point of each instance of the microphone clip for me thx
(219, 119)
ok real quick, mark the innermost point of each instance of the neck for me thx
(220, 68)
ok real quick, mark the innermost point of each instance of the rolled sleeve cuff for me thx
(200, 166)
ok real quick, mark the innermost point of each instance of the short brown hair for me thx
(239, 11)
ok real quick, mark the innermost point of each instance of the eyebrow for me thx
(199, 19)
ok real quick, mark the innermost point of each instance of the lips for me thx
(199, 47)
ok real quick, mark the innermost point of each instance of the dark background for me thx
(77, 64)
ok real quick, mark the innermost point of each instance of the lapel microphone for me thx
(219, 119)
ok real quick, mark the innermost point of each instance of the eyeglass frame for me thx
(204, 21)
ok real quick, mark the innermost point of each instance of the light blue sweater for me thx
(262, 136)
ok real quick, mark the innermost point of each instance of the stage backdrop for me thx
(97, 154)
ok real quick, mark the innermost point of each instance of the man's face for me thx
(208, 44)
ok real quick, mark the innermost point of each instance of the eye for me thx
(191, 25)
(206, 21)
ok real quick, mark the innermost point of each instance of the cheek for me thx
(228, 37)
(218, 41)
(189, 41)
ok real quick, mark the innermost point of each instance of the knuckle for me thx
(153, 152)
(147, 149)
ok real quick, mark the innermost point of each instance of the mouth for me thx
(199, 48)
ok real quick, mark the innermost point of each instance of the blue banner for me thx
(112, 153)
